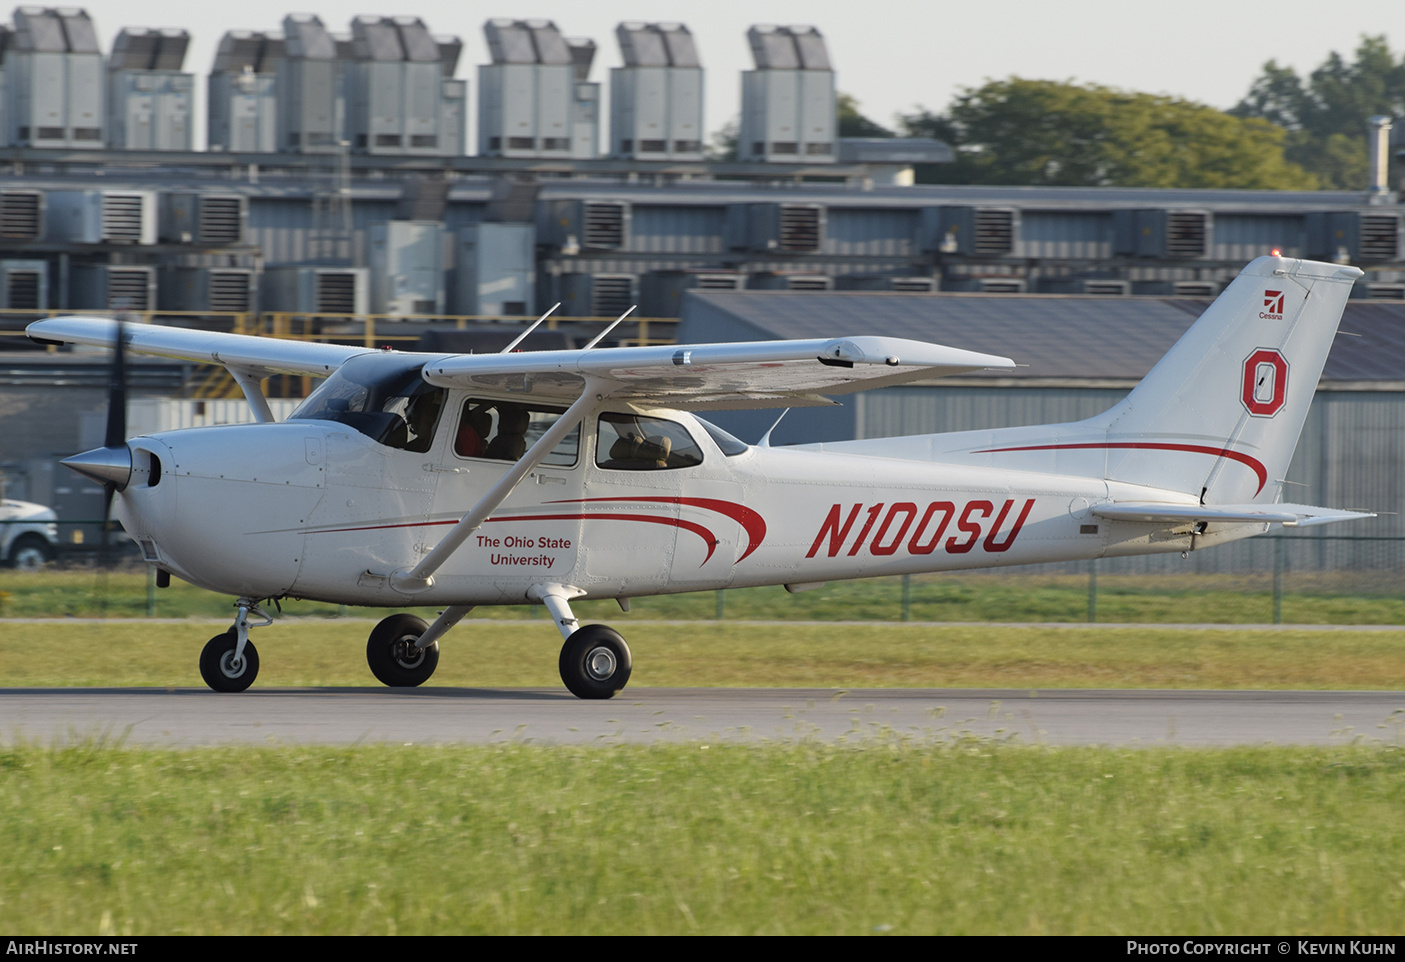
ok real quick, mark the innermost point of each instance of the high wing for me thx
(703, 377)
(259, 356)
(752, 374)
(1288, 515)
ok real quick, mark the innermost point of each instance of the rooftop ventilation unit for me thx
(150, 101)
(316, 290)
(21, 215)
(661, 292)
(1088, 286)
(598, 295)
(1354, 236)
(102, 216)
(780, 228)
(971, 231)
(205, 220)
(209, 289)
(311, 98)
(396, 86)
(54, 76)
(590, 225)
(407, 268)
(534, 99)
(106, 287)
(243, 102)
(497, 269)
(24, 285)
(656, 98)
(788, 101)
(1164, 234)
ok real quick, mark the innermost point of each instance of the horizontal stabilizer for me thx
(1288, 515)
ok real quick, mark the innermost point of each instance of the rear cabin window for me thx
(504, 430)
(633, 442)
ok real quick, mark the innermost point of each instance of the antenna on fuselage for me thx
(765, 441)
(601, 336)
(536, 324)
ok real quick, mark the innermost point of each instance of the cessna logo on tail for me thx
(1273, 306)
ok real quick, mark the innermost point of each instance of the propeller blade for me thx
(117, 392)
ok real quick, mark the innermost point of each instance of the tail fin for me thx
(1219, 416)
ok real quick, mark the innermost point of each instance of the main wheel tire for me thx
(595, 662)
(393, 656)
(218, 668)
(30, 553)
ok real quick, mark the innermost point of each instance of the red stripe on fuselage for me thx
(1253, 464)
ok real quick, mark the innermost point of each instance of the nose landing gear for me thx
(229, 663)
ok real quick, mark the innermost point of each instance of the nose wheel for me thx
(229, 663)
(595, 662)
(223, 669)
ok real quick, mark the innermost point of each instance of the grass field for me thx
(970, 837)
(490, 654)
(1349, 598)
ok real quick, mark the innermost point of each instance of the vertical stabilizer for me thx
(1220, 414)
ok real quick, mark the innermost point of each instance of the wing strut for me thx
(421, 577)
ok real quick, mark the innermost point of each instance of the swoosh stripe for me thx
(1254, 464)
(752, 523)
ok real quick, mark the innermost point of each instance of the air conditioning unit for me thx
(24, 285)
(110, 287)
(598, 295)
(316, 290)
(971, 231)
(766, 281)
(1161, 233)
(1088, 286)
(777, 228)
(205, 220)
(1376, 291)
(986, 285)
(217, 290)
(883, 282)
(1355, 236)
(21, 215)
(661, 292)
(102, 216)
(587, 225)
(407, 268)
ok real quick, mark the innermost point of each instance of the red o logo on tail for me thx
(1265, 382)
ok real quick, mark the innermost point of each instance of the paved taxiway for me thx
(187, 717)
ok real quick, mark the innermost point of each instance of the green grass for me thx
(478, 654)
(1314, 599)
(968, 837)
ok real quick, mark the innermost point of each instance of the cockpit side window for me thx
(504, 430)
(634, 442)
(386, 401)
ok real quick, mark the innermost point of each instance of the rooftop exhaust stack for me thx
(788, 101)
(1380, 127)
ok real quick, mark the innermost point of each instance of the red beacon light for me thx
(1276, 252)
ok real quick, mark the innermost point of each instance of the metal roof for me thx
(1057, 337)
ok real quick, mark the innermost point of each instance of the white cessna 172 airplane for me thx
(465, 480)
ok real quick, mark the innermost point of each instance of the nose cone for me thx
(105, 465)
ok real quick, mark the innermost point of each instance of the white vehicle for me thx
(465, 480)
(28, 534)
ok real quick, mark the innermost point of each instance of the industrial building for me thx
(335, 183)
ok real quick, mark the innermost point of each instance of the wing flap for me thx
(1288, 515)
(240, 351)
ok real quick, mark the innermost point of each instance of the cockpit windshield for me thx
(383, 397)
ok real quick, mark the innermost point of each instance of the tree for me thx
(1326, 115)
(854, 124)
(1041, 132)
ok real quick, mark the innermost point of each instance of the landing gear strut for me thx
(595, 661)
(229, 663)
(403, 651)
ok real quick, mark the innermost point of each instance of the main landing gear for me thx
(595, 662)
(229, 662)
